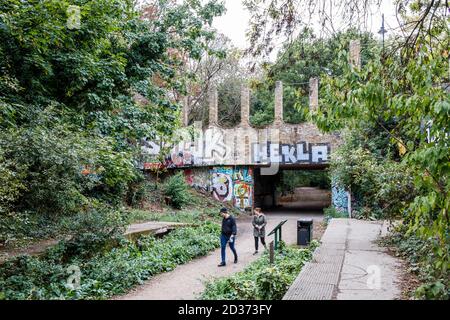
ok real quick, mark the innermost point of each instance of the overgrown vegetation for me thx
(106, 270)
(381, 185)
(423, 262)
(307, 56)
(261, 280)
(176, 191)
(396, 158)
(75, 102)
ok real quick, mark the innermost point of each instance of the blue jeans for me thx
(223, 245)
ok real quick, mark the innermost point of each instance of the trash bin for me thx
(304, 232)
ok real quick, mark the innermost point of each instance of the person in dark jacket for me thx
(259, 228)
(229, 230)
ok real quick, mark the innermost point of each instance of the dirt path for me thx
(186, 282)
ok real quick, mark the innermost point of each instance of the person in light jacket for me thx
(259, 228)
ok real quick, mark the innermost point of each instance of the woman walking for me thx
(259, 228)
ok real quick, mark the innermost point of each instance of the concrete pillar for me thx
(245, 106)
(313, 94)
(355, 54)
(279, 102)
(185, 112)
(213, 107)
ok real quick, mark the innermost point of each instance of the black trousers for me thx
(263, 241)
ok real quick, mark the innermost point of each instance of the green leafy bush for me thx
(75, 104)
(260, 280)
(177, 191)
(426, 260)
(142, 191)
(93, 232)
(108, 272)
(52, 173)
(380, 185)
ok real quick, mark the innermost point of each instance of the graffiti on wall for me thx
(301, 152)
(222, 183)
(201, 148)
(229, 184)
(179, 159)
(243, 188)
(339, 198)
(242, 195)
(215, 146)
(199, 179)
(243, 174)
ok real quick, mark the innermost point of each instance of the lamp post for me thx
(382, 30)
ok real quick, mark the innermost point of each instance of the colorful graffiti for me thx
(199, 179)
(243, 187)
(179, 159)
(339, 198)
(222, 183)
(242, 195)
(215, 147)
(243, 174)
(226, 184)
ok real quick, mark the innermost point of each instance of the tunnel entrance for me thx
(293, 190)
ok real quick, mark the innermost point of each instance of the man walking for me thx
(228, 235)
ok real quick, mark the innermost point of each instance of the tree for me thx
(275, 19)
(70, 118)
(404, 95)
(308, 56)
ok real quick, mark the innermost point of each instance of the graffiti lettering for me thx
(291, 154)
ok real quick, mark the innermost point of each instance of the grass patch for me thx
(261, 280)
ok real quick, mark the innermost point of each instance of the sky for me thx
(235, 22)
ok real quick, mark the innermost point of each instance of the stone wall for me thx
(286, 144)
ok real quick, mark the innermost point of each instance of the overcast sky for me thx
(234, 23)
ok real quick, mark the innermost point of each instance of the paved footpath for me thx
(186, 282)
(349, 265)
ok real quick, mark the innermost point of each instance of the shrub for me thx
(260, 280)
(63, 170)
(93, 232)
(425, 260)
(177, 191)
(142, 191)
(381, 186)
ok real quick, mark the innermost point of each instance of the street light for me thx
(382, 30)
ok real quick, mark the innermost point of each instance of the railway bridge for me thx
(243, 164)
